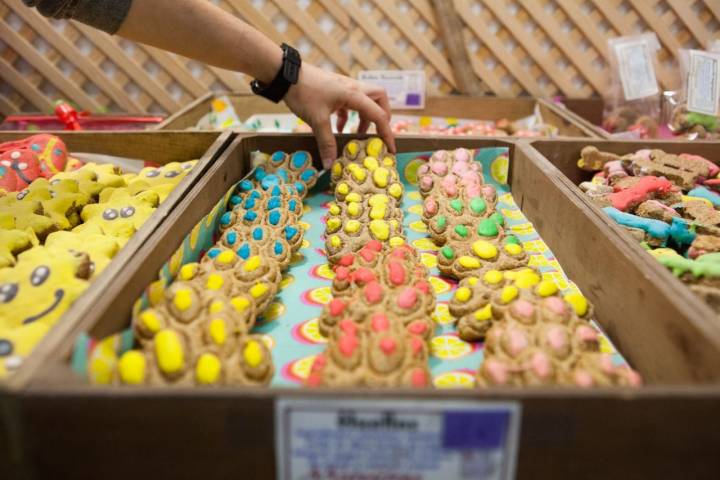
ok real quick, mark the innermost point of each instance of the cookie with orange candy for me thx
(382, 355)
(351, 235)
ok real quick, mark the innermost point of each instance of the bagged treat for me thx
(695, 110)
(633, 99)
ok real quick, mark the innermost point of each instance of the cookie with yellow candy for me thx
(167, 360)
(13, 242)
(17, 343)
(472, 259)
(355, 151)
(352, 235)
(121, 215)
(260, 277)
(42, 285)
(205, 317)
(162, 180)
(373, 207)
(100, 248)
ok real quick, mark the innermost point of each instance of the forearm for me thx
(198, 29)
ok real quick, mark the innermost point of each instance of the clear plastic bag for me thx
(688, 121)
(633, 99)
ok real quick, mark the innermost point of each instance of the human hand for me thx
(318, 94)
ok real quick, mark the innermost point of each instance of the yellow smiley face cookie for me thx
(120, 216)
(17, 343)
(101, 248)
(12, 242)
(41, 286)
(161, 180)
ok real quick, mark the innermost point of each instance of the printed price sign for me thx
(405, 88)
(637, 73)
(383, 440)
(703, 85)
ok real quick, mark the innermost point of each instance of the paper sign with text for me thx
(387, 439)
(703, 84)
(405, 88)
(636, 68)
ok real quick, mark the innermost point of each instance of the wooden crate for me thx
(162, 147)
(565, 433)
(479, 108)
(662, 310)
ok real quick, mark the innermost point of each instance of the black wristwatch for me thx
(285, 78)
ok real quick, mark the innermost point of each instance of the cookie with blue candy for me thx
(292, 168)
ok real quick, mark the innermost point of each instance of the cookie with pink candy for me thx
(447, 173)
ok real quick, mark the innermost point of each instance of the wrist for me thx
(286, 76)
(267, 70)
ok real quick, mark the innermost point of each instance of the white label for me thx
(405, 88)
(703, 87)
(386, 439)
(637, 73)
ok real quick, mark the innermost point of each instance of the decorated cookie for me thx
(473, 259)
(25, 215)
(121, 215)
(168, 360)
(460, 220)
(685, 171)
(373, 207)
(356, 151)
(161, 180)
(381, 356)
(100, 248)
(23, 161)
(42, 285)
(16, 344)
(13, 242)
(294, 168)
(351, 235)
(446, 174)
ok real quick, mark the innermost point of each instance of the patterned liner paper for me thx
(290, 326)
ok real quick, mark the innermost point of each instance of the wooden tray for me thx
(72, 427)
(667, 319)
(162, 147)
(480, 108)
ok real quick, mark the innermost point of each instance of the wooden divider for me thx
(516, 47)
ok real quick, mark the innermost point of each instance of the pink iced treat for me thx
(583, 379)
(556, 338)
(518, 342)
(438, 168)
(497, 371)
(449, 185)
(431, 206)
(423, 169)
(523, 308)
(540, 364)
(461, 155)
(489, 193)
(426, 183)
(556, 305)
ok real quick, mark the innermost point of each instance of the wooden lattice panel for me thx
(516, 47)
(399, 34)
(559, 47)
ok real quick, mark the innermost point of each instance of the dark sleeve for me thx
(106, 15)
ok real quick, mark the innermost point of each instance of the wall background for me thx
(516, 47)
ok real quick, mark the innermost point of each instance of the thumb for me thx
(325, 141)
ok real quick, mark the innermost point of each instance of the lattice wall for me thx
(516, 47)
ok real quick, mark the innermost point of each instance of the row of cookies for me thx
(459, 210)
(199, 333)
(533, 335)
(379, 320)
(368, 195)
(58, 233)
(668, 203)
